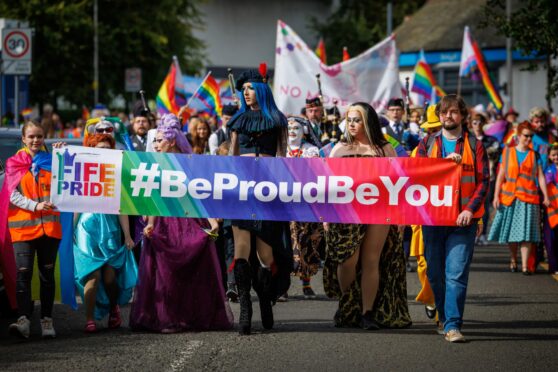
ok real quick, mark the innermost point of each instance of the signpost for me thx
(132, 79)
(16, 57)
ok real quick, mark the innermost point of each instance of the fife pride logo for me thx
(84, 178)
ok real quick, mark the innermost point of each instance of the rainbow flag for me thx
(171, 94)
(209, 92)
(26, 113)
(321, 52)
(472, 59)
(424, 82)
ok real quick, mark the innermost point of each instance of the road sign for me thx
(132, 79)
(16, 51)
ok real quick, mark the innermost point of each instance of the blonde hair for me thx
(538, 112)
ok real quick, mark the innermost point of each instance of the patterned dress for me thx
(307, 237)
(390, 307)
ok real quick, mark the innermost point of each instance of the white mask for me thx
(296, 134)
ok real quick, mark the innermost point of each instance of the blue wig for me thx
(272, 117)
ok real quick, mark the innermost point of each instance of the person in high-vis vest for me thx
(517, 200)
(34, 226)
(425, 296)
(551, 235)
(449, 249)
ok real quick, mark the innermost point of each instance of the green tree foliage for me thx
(132, 33)
(533, 28)
(359, 24)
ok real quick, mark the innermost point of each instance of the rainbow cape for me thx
(16, 167)
(472, 59)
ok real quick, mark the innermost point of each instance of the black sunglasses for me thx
(104, 130)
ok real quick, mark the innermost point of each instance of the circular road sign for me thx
(16, 44)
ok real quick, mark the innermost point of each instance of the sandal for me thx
(90, 327)
(513, 267)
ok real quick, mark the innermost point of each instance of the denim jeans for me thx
(47, 249)
(449, 251)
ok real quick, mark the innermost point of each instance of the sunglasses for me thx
(476, 122)
(527, 135)
(104, 130)
(158, 140)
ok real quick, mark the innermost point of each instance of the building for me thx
(437, 28)
(240, 34)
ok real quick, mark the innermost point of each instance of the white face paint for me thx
(295, 134)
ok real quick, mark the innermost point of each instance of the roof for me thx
(439, 25)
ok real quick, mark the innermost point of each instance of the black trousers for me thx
(47, 249)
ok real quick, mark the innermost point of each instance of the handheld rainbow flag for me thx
(346, 55)
(424, 82)
(321, 52)
(171, 94)
(209, 92)
(471, 60)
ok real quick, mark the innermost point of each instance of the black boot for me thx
(265, 296)
(243, 277)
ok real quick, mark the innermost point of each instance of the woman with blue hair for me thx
(259, 129)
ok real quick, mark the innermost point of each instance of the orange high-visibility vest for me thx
(520, 181)
(26, 225)
(468, 178)
(552, 209)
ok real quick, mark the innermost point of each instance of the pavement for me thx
(511, 324)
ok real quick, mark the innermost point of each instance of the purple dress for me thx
(180, 286)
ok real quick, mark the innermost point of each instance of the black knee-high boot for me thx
(243, 277)
(264, 291)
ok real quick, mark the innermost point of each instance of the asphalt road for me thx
(511, 323)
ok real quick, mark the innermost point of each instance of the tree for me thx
(359, 24)
(534, 31)
(132, 33)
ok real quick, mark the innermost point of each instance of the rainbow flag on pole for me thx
(209, 92)
(321, 52)
(471, 60)
(424, 82)
(171, 94)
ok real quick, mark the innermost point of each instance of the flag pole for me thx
(459, 85)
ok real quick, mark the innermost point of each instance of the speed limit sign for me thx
(16, 51)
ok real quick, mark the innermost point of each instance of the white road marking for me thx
(179, 363)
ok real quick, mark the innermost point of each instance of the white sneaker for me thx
(47, 328)
(454, 335)
(21, 327)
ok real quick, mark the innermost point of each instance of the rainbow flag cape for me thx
(321, 52)
(209, 92)
(171, 95)
(424, 82)
(472, 59)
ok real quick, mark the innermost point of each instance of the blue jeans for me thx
(448, 252)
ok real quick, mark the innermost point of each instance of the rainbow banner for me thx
(424, 82)
(472, 59)
(402, 191)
